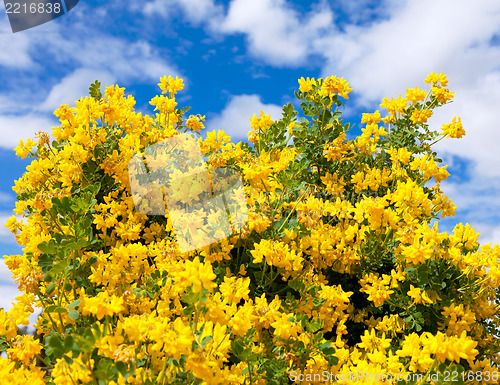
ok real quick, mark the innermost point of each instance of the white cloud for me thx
(199, 10)
(94, 54)
(275, 32)
(384, 58)
(479, 196)
(73, 87)
(489, 234)
(8, 288)
(477, 106)
(234, 119)
(14, 48)
(7, 104)
(9, 294)
(5, 274)
(126, 60)
(13, 128)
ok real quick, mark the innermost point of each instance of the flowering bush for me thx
(337, 270)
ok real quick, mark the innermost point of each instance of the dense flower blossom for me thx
(337, 268)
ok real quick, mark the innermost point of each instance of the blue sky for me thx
(240, 56)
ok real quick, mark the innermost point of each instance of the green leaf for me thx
(65, 203)
(45, 260)
(332, 360)
(97, 331)
(55, 309)
(80, 244)
(59, 268)
(74, 304)
(205, 341)
(95, 90)
(279, 223)
(50, 308)
(48, 247)
(55, 342)
(50, 289)
(329, 351)
(68, 343)
(237, 346)
(324, 346)
(73, 315)
(122, 368)
(89, 336)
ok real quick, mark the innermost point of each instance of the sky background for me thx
(241, 56)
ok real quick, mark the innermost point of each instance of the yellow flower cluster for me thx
(337, 268)
(12, 373)
(103, 305)
(454, 129)
(377, 288)
(427, 347)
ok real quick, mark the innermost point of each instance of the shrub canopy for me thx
(336, 275)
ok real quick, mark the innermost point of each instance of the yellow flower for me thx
(452, 348)
(23, 150)
(12, 373)
(103, 304)
(261, 123)
(464, 236)
(163, 104)
(419, 295)
(401, 155)
(453, 129)
(376, 287)
(234, 289)
(433, 79)
(306, 85)
(284, 327)
(370, 342)
(394, 106)
(70, 374)
(195, 122)
(22, 309)
(277, 254)
(371, 200)
(441, 94)
(371, 118)
(457, 319)
(169, 84)
(420, 116)
(24, 348)
(198, 274)
(334, 85)
(8, 327)
(415, 95)
(243, 319)
(13, 225)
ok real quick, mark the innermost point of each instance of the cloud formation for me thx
(78, 58)
(275, 32)
(234, 119)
